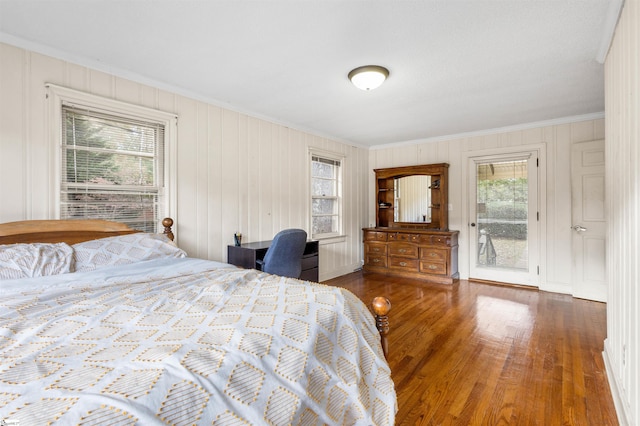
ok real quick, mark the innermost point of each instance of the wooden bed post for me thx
(381, 307)
(167, 222)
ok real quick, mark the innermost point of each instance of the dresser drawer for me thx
(414, 238)
(375, 236)
(375, 260)
(433, 255)
(425, 240)
(433, 268)
(402, 263)
(400, 236)
(403, 249)
(375, 248)
(435, 240)
(439, 240)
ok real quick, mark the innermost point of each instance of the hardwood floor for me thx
(485, 354)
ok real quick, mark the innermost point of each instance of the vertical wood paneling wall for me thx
(234, 172)
(556, 251)
(622, 105)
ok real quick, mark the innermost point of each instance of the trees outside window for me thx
(326, 196)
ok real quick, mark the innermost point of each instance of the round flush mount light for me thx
(368, 77)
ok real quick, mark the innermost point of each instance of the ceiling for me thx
(456, 66)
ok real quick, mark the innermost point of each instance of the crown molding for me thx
(610, 24)
(118, 72)
(514, 128)
(156, 84)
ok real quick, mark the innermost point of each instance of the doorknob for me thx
(578, 228)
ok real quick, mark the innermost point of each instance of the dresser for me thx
(423, 254)
(247, 254)
(412, 238)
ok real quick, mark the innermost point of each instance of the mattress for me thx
(188, 341)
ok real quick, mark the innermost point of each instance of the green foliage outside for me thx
(104, 156)
(506, 214)
(88, 163)
(82, 165)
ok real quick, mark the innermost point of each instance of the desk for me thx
(247, 254)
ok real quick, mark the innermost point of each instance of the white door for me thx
(588, 215)
(504, 231)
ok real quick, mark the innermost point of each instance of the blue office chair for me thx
(284, 255)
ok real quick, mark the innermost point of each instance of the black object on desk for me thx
(246, 255)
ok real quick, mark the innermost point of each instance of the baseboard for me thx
(595, 296)
(556, 288)
(616, 390)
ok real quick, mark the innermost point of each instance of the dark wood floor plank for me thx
(475, 353)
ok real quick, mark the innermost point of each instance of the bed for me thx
(100, 324)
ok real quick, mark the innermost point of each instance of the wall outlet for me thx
(450, 207)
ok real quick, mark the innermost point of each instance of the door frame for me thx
(465, 233)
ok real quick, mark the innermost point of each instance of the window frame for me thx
(58, 96)
(339, 190)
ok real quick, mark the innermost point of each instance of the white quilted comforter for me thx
(188, 341)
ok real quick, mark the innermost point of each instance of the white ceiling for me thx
(455, 66)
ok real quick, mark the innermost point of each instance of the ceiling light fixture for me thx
(368, 77)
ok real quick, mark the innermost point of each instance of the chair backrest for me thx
(284, 255)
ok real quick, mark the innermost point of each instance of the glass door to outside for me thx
(504, 219)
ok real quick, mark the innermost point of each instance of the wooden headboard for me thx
(70, 231)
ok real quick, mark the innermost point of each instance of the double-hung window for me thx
(112, 165)
(326, 196)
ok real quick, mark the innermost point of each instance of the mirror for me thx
(412, 199)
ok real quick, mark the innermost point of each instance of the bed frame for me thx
(74, 231)
(70, 231)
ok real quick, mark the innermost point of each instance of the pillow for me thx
(123, 249)
(34, 260)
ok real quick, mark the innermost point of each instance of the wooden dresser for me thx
(423, 254)
(412, 237)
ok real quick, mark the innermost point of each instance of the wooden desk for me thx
(247, 254)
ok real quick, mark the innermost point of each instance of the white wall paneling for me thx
(622, 175)
(233, 172)
(557, 140)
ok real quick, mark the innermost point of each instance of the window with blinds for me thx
(112, 168)
(326, 196)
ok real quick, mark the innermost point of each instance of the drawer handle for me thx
(376, 249)
(402, 251)
(403, 263)
(376, 260)
(432, 254)
(433, 267)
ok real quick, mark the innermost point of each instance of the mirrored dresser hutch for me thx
(412, 237)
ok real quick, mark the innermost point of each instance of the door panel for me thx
(588, 215)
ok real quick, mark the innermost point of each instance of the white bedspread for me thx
(188, 341)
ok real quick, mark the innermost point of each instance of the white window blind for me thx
(112, 168)
(326, 193)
